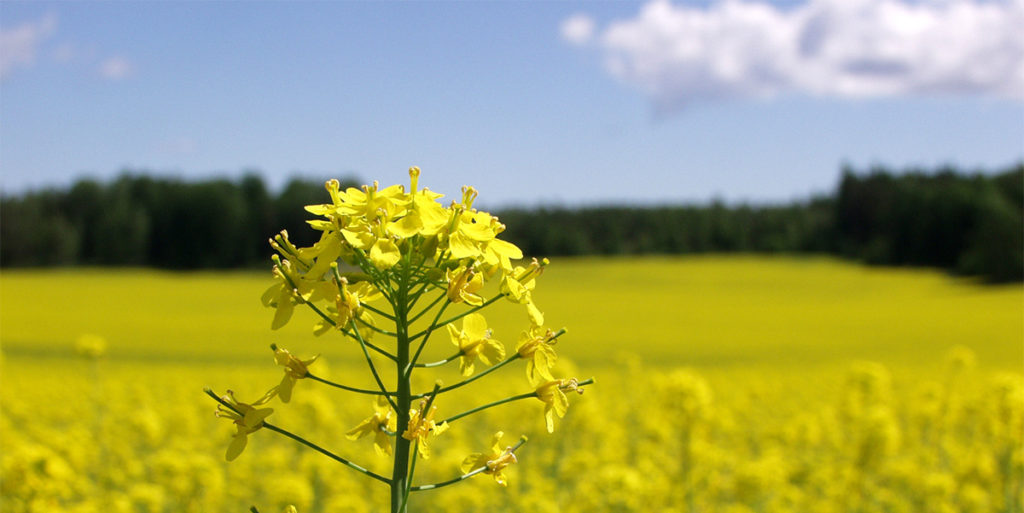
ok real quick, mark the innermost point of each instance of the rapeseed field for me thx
(724, 383)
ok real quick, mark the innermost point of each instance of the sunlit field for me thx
(732, 384)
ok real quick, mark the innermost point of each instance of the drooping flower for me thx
(517, 285)
(474, 340)
(247, 418)
(422, 426)
(495, 462)
(289, 289)
(552, 394)
(535, 347)
(379, 424)
(294, 369)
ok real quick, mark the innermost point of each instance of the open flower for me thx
(463, 284)
(495, 461)
(552, 394)
(421, 426)
(247, 418)
(474, 340)
(294, 369)
(535, 347)
(424, 215)
(379, 424)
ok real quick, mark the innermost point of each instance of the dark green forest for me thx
(966, 223)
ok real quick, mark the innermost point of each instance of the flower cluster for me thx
(385, 258)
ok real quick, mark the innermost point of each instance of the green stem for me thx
(463, 476)
(400, 468)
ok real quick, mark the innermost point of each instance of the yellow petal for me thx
(364, 428)
(284, 309)
(496, 442)
(474, 326)
(462, 247)
(492, 352)
(505, 249)
(476, 226)
(329, 253)
(536, 316)
(406, 227)
(433, 216)
(284, 390)
(237, 446)
(385, 254)
(473, 462)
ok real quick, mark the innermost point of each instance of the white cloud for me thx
(116, 68)
(578, 29)
(18, 45)
(845, 48)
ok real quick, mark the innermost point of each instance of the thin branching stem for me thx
(346, 387)
(439, 362)
(407, 372)
(373, 368)
(428, 307)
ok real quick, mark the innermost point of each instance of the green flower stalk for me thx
(411, 258)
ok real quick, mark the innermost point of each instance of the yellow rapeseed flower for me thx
(377, 424)
(495, 461)
(535, 347)
(294, 369)
(474, 340)
(424, 215)
(463, 284)
(552, 394)
(247, 418)
(421, 426)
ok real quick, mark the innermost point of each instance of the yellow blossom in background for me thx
(91, 346)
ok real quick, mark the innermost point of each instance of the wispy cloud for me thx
(19, 45)
(845, 48)
(578, 29)
(116, 68)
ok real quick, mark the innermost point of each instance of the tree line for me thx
(967, 223)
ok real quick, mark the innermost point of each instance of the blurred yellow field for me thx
(729, 384)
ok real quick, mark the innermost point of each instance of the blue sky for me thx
(531, 102)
